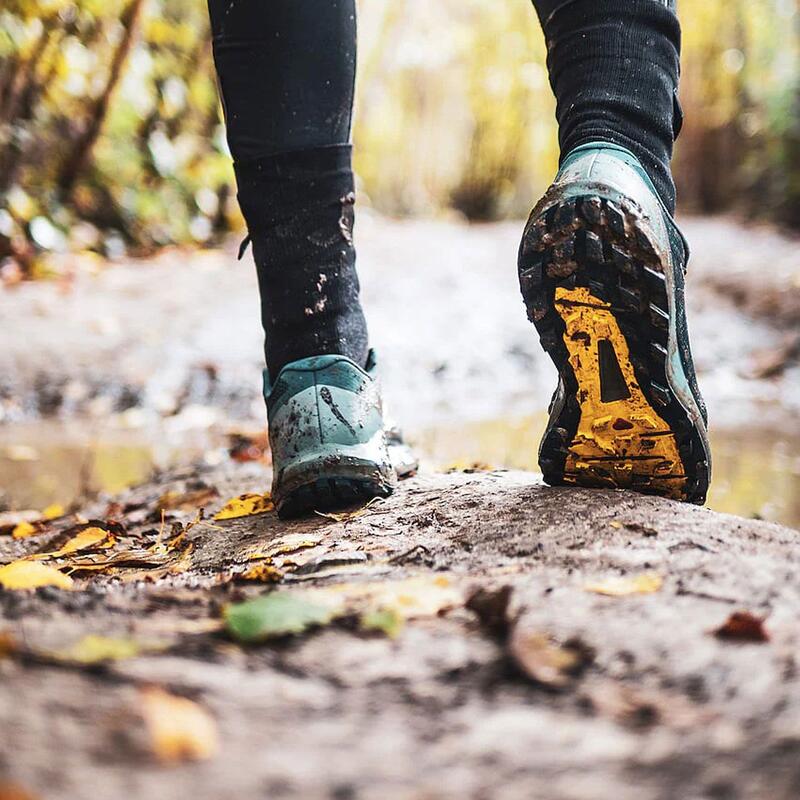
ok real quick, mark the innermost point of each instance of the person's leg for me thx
(286, 70)
(614, 67)
(601, 264)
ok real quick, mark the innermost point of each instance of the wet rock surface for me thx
(526, 665)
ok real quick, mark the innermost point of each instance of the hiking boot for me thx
(601, 269)
(326, 432)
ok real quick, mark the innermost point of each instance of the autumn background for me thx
(111, 139)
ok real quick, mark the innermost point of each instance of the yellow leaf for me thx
(263, 573)
(93, 649)
(385, 620)
(25, 574)
(53, 511)
(245, 505)
(180, 730)
(646, 583)
(25, 529)
(84, 540)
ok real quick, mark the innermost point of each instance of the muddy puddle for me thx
(756, 473)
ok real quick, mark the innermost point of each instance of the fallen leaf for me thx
(87, 539)
(53, 511)
(94, 649)
(275, 614)
(245, 505)
(546, 662)
(345, 516)
(742, 626)
(385, 620)
(25, 574)
(25, 529)
(646, 583)
(187, 501)
(8, 644)
(179, 729)
(262, 573)
(491, 608)
(11, 519)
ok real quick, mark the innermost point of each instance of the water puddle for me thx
(756, 473)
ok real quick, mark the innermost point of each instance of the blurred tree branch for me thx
(86, 138)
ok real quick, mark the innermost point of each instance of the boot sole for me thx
(326, 487)
(594, 285)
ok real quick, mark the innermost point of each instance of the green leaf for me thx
(274, 614)
(385, 620)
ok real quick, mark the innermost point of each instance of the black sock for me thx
(299, 212)
(614, 67)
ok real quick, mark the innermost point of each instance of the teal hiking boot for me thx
(326, 432)
(601, 269)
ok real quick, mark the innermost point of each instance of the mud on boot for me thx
(601, 269)
(326, 431)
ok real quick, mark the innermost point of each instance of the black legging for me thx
(286, 72)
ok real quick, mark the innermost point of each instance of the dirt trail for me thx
(178, 337)
(625, 697)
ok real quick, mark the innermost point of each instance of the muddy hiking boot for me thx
(601, 269)
(330, 448)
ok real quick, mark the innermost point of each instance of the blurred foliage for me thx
(111, 137)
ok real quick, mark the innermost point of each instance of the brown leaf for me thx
(187, 501)
(491, 608)
(742, 626)
(546, 662)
